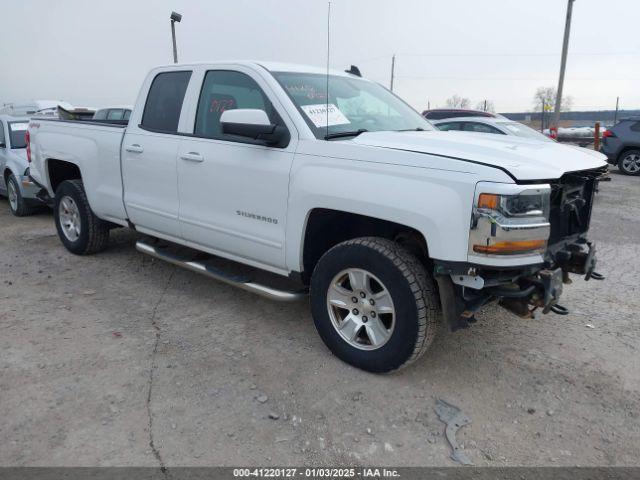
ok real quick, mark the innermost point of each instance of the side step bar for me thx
(216, 274)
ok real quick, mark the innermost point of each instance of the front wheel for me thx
(629, 162)
(17, 204)
(373, 304)
(79, 229)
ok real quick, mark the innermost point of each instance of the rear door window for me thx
(17, 133)
(164, 101)
(480, 127)
(449, 126)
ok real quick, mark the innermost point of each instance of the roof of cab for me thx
(270, 66)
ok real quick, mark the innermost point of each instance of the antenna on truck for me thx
(328, 50)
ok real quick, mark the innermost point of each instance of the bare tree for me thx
(545, 98)
(486, 106)
(456, 101)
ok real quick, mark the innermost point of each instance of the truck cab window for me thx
(164, 102)
(2, 140)
(225, 90)
(115, 114)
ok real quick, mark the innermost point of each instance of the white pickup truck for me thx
(333, 183)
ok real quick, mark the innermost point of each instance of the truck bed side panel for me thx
(95, 149)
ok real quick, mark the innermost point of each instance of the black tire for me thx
(94, 233)
(621, 159)
(412, 290)
(21, 208)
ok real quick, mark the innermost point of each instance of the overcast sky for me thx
(96, 53)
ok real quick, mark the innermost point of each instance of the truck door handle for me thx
(135, 148)
(192, 157)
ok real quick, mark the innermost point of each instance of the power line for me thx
(538, 79)
(514, 54)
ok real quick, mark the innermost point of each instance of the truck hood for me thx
(522, 158)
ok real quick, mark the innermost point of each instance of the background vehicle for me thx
(440, 113)
(113, 113)
(621, 145)
(499, 126)
(33, 107)
(348, 193)
(15, 182)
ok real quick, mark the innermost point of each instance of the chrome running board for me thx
(242, 282)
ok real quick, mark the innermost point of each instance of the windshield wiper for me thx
(355, 133)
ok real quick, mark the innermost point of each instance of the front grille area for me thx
(571, 203)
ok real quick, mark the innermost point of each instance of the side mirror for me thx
(254, 124)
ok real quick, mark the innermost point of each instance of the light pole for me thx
(175, 17)
(563, 63)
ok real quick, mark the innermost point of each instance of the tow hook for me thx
(595, 276)
(559, 309)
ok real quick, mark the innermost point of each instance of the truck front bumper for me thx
(465, 288)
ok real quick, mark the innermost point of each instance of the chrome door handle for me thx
(135, 148)
(192, 157)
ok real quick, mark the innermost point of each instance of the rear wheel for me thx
(373, 304)
(629, 162)
(17, 204)
(79, 229)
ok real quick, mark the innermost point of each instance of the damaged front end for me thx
(524, 242)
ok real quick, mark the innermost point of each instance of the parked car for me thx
(113, 113)
(348, 193)
(440, 113)
(15, 183)
(621, 145)
(499, 126)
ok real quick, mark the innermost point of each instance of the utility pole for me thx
(485, 105)
(615, 115)
(175, 17)
(393, 70)
(563, 62)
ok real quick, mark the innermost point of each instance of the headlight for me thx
(512, 222)
(530, 203)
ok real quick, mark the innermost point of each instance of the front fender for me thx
(436, 203)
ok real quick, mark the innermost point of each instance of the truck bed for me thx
(92, 146)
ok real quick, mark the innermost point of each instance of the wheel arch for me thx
(60, 170)
(324, 228)
(625, 149)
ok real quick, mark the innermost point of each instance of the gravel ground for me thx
(117, 359)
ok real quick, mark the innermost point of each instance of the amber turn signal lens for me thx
(489, 200)
(510, 248)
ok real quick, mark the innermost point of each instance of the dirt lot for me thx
(116, 359)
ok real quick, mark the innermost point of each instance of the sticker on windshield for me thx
(19, 126)
(320, 117)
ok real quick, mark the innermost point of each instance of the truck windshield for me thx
(17, 131)
(354, 105)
